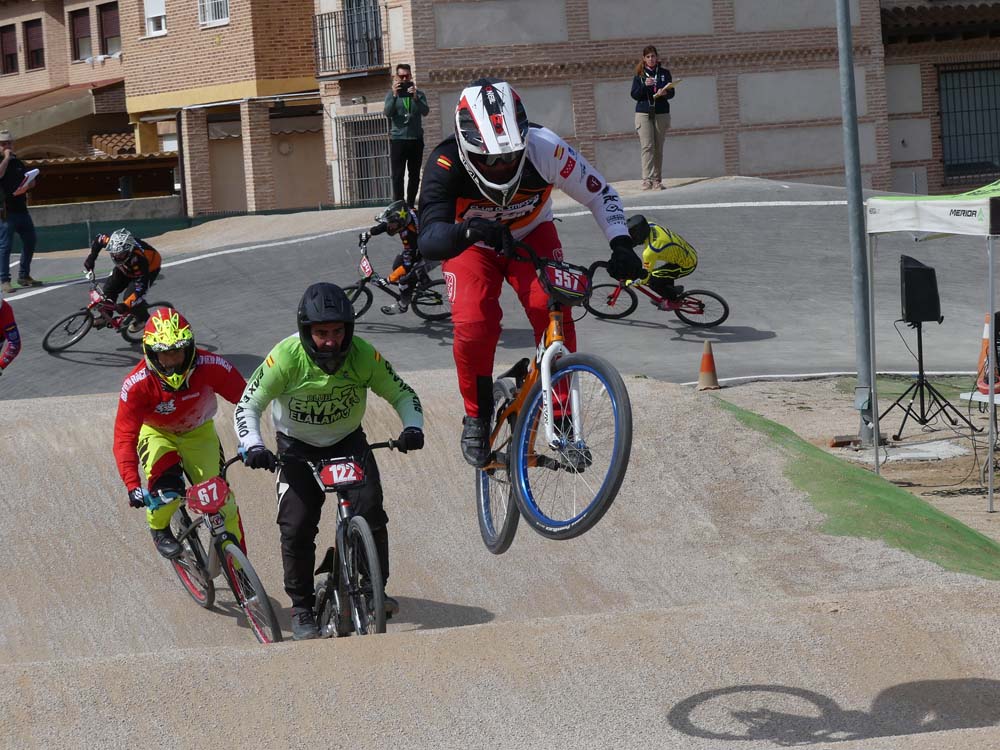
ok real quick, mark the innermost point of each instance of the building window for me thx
(79, 27)
(970, 122)
(111, 41)
(156, 17)
(8, 49)
(34, 45)
(213, 11)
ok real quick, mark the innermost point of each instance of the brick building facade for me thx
(60, 76)
(760, 93)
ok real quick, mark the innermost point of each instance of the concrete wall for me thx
(910, 140)
(648, 19)
(795, 95)
(903, 90)
(786, 15)
(497, 22)
(794, 149)
(166, 207)
(683, 156)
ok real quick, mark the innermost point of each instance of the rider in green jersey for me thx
(317, 383)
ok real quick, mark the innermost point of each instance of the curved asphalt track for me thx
(785, 271)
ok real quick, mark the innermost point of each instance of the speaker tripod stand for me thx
(932, 402)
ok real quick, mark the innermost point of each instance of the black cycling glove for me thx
(410, 439)
(493, 233)
(260, 457)
(624, 264)
(136, 497)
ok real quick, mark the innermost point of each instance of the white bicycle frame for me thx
(216, 526)
(545, 357)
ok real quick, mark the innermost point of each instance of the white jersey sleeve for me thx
(565, 168)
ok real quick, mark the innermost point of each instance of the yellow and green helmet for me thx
(168, 330)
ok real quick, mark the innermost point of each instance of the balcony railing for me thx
(349, 41)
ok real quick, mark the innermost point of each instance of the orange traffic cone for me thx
(707, 379)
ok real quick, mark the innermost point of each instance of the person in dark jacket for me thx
(14, 216)
(405, 107)
(652, 87)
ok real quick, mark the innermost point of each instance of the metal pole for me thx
(992, 364)
(876, 429)
(855, 211)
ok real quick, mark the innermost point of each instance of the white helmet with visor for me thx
(491, 128)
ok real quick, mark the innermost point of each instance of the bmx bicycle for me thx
(99, 313)
(560, 429)
(351, 596)
(696, 307)
(430, 298)
(197, 570)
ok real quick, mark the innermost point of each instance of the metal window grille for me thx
(363, 158)
(213, 11)
(350, 39)
(970, 121)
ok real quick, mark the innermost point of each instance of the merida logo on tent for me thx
(970, 212)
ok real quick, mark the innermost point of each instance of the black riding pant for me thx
(118, 282)
(300, 504)
(408, 154)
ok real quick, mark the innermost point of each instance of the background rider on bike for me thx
(486, 185)
(318, 381)
(164, 419)
(10, 337)
(137, 264)
(399, 219)
(665, 256)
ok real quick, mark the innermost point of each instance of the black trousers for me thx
(118, 282)
(300, 505)
(408, 155)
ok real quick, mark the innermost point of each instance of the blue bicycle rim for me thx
(522, 449)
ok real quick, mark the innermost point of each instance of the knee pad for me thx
(171, 480)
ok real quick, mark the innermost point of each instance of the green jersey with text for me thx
(316, 408)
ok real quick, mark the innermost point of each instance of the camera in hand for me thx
(406, 88)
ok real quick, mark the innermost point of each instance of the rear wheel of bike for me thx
(360, 297)
(191, 566)
(135, 337)
(364, 579)
(68, 331)
(612, 301)
(250, 594)
(498, 511)
(431, 302)
(701, 308)
(330, 615)
(564, 490)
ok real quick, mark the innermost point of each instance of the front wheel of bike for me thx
(365, 586)
(135, 337)
(611, 301)
(495, 503)
(702, 309)
(360, 297)
(564, 489)
(250, 594)
(431, 302)
(67, 331)
(191, 566)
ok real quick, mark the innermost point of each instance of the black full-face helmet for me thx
(325, 303)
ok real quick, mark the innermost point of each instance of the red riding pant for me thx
(475, 280)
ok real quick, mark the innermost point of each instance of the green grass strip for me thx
(858, 503)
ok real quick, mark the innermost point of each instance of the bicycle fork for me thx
(551, 348)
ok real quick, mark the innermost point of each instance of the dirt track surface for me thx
(709, 574)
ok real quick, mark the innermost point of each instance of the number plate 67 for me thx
(208, 496)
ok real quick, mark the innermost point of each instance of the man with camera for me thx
(405, 106)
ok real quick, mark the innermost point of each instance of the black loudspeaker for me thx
(918, 291)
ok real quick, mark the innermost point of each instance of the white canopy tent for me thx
(975, 213)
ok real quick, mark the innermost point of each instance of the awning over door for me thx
(33, 113)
